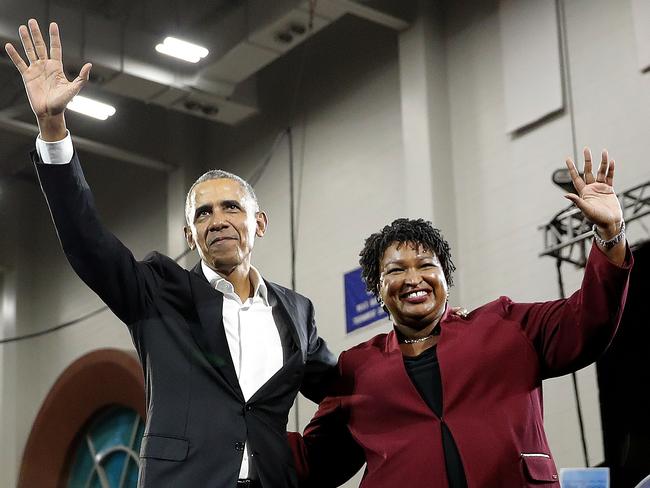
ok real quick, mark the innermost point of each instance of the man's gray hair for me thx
(217, 174)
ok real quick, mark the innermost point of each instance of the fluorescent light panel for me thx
(90, 107)
(182, 50)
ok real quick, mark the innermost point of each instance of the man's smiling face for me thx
(224, 223)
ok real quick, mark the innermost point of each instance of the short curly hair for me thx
(418, 232)
(217, 174)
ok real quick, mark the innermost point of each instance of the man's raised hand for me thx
(47, 87)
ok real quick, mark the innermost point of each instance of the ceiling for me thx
(118, 36)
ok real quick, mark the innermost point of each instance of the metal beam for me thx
(101, 149)
(373, 15)
(565, 236)
(14, 111)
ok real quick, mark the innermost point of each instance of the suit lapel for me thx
(283, 380)
(284, 312)
(209, 332)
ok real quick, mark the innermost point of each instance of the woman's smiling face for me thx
(412, 285)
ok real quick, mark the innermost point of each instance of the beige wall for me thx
(350, 154)
(48, 294)
(509, 177)
(132, 202)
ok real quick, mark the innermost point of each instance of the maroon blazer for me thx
(492, 364)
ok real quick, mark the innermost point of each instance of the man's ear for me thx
(189, 237)
(262, 222)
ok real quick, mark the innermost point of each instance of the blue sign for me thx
(584, 477)
(361, 307)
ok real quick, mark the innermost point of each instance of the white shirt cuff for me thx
(58, 152)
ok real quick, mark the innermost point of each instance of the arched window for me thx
(99, 397)
(107, 451)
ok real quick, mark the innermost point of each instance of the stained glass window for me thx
(107, 453)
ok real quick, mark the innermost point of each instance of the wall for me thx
(348, 160)
(133, 204)
(508, 177)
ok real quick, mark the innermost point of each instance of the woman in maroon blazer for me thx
(456, 400)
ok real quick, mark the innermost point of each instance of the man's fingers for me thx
(578, 183)
(602, 169)
(80, 81)
(15, 57)
(27, 44)
(610, 174)
(84, 73)
(588, 175)
(39, 43)
(56, 52)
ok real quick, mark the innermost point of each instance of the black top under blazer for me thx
(197, 419)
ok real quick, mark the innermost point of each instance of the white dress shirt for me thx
(59, 152)
(253, 338)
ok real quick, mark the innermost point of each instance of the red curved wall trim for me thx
(96, 380)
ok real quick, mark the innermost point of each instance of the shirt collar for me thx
(224, 286)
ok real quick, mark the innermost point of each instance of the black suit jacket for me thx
(197, 419)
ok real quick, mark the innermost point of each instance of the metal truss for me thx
(565, 236)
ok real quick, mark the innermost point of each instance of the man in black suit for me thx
(224, 352)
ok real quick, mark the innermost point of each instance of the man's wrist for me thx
(57, 152)
(52, 128)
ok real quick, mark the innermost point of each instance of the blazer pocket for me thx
(163, 447)
(539, 467)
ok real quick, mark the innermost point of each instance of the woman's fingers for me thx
(588, 175)
(602, 169)
(577, 201)
(578, 182)
(610, 174)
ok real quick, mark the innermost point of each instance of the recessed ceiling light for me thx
(90, 107)
(182, 50)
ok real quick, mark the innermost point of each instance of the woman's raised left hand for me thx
(596, 197)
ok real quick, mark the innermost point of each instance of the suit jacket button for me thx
(239, 446)
(249, 408)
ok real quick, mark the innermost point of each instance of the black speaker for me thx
(624, 382)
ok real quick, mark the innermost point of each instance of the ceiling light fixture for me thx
(182, 50)
(91, 108)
